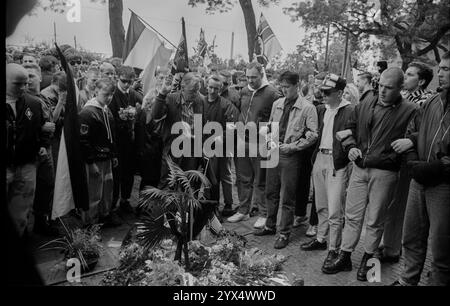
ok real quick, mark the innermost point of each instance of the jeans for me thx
(329, 187)
(427, 213)
(371, 189)
(392, 236)
(281, 187)
(221, 167)
(20, 188)
(252, 180)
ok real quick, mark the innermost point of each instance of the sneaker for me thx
(260, 222)
(299, 221)
(264, 232)
(312, 231)
(237, 217)
(281, 242)
(228, 212)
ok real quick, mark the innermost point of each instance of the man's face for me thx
(188, 88)
(160, 80)
(412, 79)
(91, 79)
(389, 89)
(75, 64)
(29, 60)
(108, 73)
(17, 85)
(104, 96)
(444, 74)
(213, 89)
(361, 84)
(254, 78)
(331, 96)
(125, 82)
(34, 80)
(289, 90)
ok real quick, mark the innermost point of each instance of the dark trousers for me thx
(304, 185)
(45, 184)
(252, 180)
(427, 213)
(221, 168)
(281, 187)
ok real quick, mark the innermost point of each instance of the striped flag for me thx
(71, 190)
(181, 61)
(144, 50)
(202, 48)
(266, 45)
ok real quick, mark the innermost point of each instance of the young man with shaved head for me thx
(375, 125)
(25, 141)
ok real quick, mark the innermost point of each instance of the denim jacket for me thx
(302, 118)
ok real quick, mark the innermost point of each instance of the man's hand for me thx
(115, 162)
(284, 149)
(93, 170)
(354, 154)
(62, 97)
(42, 152)
(341, 135)
(402, 145)
(167, 85)
(309, 135)
(49, 127)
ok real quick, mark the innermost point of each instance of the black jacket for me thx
(24, 136)
(380, 155)
(97, 136)
(340, 156)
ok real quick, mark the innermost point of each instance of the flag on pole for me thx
(181, 62)
(71, 190)
(202, 48)
(266, 45)
(161, 59)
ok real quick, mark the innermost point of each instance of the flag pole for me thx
(142, 19)
(186, 58)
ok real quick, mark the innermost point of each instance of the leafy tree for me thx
(414, 27)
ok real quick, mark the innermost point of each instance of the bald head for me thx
(16, 80)
(107, 70)
(390, 85)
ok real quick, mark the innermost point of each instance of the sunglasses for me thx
(126, 81)
(328, 92)
(75, 62)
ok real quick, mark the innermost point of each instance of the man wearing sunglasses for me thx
(374, 126)
(125, 96)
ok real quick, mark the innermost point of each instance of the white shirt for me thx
(12, 102)
(326, 141)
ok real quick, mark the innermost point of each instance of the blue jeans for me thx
(281, 187)
(427, 213)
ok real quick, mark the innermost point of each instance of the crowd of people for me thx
(361, 153)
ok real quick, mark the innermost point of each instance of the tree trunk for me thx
(250, 25)
(116, 29)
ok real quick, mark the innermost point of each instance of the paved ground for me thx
(305, 265)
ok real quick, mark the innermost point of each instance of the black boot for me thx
(44, 227)
(342, 263)
(331, 257)
(363, 268)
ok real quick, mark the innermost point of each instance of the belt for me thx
(326, 151)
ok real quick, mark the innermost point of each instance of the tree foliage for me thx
(414, 27)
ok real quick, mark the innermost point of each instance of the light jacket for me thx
(302, 118)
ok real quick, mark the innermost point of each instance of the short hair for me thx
(215, 78)
(305, 90)
(59, 79)
(366, 75)
(48, 62)
(191, 77)
(396, 72)
(126, 71)
(445, 56)
(72, 54)
(425, 73)
(290, 77)
(105, 83)
(33, 66)
(92, 70)
(29, 54)
(105, 65)
(256, 65)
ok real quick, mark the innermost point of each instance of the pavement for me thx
(299, 264)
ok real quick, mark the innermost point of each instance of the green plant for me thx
(183, 195)
(83, 244)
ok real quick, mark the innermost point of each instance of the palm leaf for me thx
(151, 230)
(197, 176)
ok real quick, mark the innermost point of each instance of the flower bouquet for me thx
(128, 113)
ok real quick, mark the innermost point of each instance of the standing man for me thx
(228, 92)
(374, 126)
(88, 91)
(330, 175)
(107, 70)
(428, 211)
(98, 150)
(218, 109)
(255, 106)
(364, 84)
(125, 98)
(297, 131)
(417, 78)
(25, 141)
